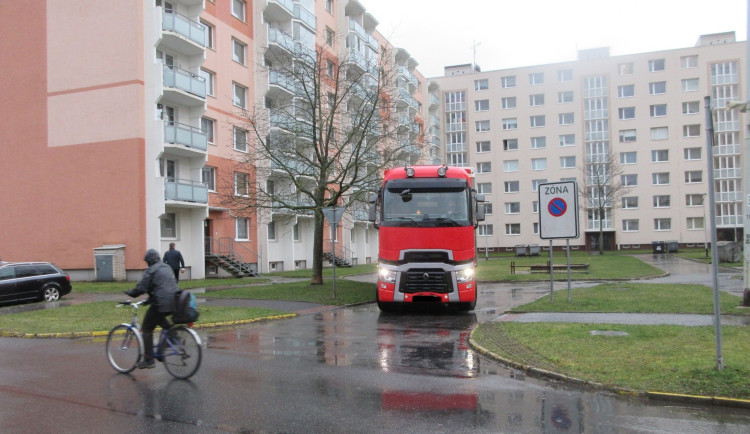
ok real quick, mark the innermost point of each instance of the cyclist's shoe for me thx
(146, 364)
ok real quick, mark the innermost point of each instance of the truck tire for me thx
(468, 306)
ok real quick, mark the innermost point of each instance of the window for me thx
(566, 118)
(567, 139)
(629, 180)
(656, 65)
(240, 139)
(535, 207)
(630, 225)
(564, 75)
(538, 142)
(691, 107)
(241, 184)
(662, 224)
(208, 177)
(484, 167)
(329, 68)
(657, 88)
(484, 230)
(535, 183)
(538, 163)
(626, 113)
(238, 9)
(238, 51)
(510, 144)
(483, 146)
(690, 84)
(510, 166)
(693, 176)
(483, 84)
(330, 36)
(626, 91)
(512, 207)
(568, 162)
(628, 157)
(482, 105)
(484, 188)
(209, 34)
(513, 229)
(242, 229)
(240, 95)
(661, 201)
(209, 77)
(208, 126)
(536, 78)
(329, 6)
(509, 102)
(694, 199)
(271, 231)
(565, 97)
(660, 155)
(660, 178)
(630, 202)
(692, 153)
(537, 121)
(691, 130)
(695, 223)
(625, 68)
(627, 136)
(536, 100)
(658, 110)
(510, 123)
(509, 81)
(688, 62)
(536, 228)
(483, 126)
(659, 133)
(511, 186)
(168, 225)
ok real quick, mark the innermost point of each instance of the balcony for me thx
(182, 34)
(357, 28)
(189, 140)
(406, 99)
(434, 101)
(305, 17)
(278, 82)
(727, 173)
(278, 10)
(278, 40)
(183, 87)
(409, 77)
(185, 190)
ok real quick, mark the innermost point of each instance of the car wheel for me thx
(51, 293)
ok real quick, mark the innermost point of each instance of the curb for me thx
(657, 396)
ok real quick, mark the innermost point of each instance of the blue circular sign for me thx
(557, 207)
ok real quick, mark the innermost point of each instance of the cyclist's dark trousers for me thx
(152, 319)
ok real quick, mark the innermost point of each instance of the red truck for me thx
(426, 217)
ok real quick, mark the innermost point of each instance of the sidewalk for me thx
(690, 320)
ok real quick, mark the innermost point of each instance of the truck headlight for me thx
(387, 275)
(465, 275)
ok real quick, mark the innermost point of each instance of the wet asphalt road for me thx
(328, 370)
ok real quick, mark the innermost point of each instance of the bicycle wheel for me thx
(182, 354)
(124, 348)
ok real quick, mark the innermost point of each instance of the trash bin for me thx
(729, 251)
(659, 246)
(521, 249)
(534, 249)
(673, 246)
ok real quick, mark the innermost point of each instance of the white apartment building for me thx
(521, 127)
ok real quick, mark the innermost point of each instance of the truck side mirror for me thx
(372, 217)
(480, 212)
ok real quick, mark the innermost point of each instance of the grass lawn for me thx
(347, 292)
(118, 287)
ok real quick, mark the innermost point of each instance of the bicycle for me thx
(178, 347)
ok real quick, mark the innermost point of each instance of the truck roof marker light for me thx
(409, 172)
(442, 170)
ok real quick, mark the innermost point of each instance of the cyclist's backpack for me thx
(185, 310)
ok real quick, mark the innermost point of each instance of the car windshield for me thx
(426, 207)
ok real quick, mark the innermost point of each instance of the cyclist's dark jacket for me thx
(158, 280)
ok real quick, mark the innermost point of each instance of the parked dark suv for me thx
(26, 281)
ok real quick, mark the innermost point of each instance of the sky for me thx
(508, 34)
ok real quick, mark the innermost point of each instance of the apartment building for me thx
(122, 124)
(522, 127)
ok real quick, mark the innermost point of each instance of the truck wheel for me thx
(469, 305)
(386, 306)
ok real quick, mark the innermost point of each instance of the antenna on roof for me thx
(474, 45)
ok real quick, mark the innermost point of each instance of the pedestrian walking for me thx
(173, 258)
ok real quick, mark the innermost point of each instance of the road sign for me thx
(558, 210)
(333, 214)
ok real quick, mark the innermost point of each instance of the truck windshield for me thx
(426, 207)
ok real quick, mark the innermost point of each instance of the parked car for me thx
(28, 281)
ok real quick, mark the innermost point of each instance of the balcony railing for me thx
(434, 99)
(185, 135)
(184, 80)
(285, 4)
(727, 150)
(405, 96)
(283, 81)
(357, 28)
(185, 190)
(182, 25)
(727, 173)
(307, 17)
(277, 36)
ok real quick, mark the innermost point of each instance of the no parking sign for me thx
(558, 210)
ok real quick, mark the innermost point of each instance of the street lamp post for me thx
(705, 225)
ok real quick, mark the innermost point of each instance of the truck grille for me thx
(425, 280)
(426, 256)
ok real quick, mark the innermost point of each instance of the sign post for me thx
(558, 219)
(333, 215)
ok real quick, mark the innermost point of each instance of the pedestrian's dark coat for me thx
(174, 259)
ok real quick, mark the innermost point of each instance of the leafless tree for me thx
(323, 133)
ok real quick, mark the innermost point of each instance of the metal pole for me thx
(746, 171)
(551, 275)
(487, 236)
(712, 217)
(333, 253)
(567, 247)
(705, 224)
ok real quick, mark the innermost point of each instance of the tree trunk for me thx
(601, 232)
(317, 277)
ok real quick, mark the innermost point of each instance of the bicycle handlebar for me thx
(131, 303)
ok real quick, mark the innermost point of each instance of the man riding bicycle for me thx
(159, 282)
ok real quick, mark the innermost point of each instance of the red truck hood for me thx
(395, 239)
